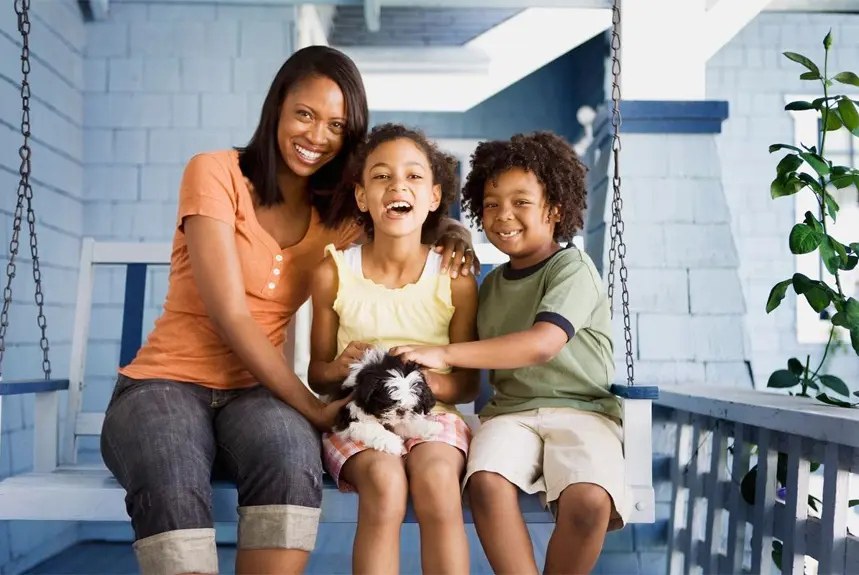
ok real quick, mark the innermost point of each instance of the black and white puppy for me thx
(391, 402)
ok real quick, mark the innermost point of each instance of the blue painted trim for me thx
(25, 386)
(670, 117)
(132, 313)
(635, 391)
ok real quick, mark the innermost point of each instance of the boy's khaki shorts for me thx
(545, 450)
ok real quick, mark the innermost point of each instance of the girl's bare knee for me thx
(435, 491)
(383, 489)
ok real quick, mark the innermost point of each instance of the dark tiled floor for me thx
(333, 554)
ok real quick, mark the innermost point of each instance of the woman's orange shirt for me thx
(184, 344)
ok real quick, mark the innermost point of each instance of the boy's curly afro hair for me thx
(549, 157)
(444, 172)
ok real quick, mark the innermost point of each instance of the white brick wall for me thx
(752, 75)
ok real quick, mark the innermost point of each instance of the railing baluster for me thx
(796, 508)
(694, 511)
(736, 515)
(833, 540)
(682, 455)
(713, 492)
(764, 511)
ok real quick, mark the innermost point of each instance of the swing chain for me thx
(25, 193)
(617, 249)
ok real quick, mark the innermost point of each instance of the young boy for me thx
(544, 324)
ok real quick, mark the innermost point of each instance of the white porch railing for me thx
(802, 449)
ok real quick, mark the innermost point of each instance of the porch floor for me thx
(332, 555)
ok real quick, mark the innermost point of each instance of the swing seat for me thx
(61, 489)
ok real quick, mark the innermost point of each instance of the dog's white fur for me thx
(370, 430)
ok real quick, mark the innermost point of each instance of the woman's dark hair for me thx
(547, 156)
(259, 160)
(444, 172)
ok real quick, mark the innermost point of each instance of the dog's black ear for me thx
(426, 398)
(371, 393)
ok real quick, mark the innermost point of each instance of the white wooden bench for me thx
(59, 488)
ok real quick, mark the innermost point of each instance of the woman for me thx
(211, 388)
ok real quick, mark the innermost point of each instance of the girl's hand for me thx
(427, 356)
(353, 353)
(457, 255)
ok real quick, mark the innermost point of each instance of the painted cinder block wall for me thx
(57, 42)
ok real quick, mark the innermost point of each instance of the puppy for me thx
(391, 401)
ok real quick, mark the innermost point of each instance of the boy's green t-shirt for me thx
(566, 290)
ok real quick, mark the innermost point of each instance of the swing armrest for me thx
(635, 391)
(25, 386)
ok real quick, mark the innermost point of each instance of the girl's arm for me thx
(461, 385)
(534, 346)
(326, 370)
(218, 276)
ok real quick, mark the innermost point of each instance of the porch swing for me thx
(61, 489)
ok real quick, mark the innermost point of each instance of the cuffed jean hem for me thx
(278, 527)
(177, 552)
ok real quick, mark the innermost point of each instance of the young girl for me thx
(389, 292)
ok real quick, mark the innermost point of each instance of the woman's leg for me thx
(434, 470)
(273, 454)
(158, 441)
(380, 480)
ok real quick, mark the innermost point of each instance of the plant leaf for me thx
(818, 298)
(848, 113)
(788, 164)
(800, 105)
(804, 239)
(779, 188)
(847, 78)
(777, 147)
(842, 182)
(782, 379)
(833, 254)
(800, 59)
(813, 222)
(836, 384)
(795, 366)
(852, 310)
(777, 294)
(809, 76)
(831, 205)
(816, 162)
(809, 180)
(852, 260)
(833, 121)
(853, 503)
(832, 401)
(854, 339)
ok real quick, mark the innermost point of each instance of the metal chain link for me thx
(617, 250)
(25, 195)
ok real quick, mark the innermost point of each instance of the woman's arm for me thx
(461, 385)
(218, 276)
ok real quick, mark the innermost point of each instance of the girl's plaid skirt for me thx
(336, 450)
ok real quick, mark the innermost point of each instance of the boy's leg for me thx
(585, 476)
(435, 469)
(505, 457)
(380, 480)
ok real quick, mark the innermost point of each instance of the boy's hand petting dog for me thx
(353, 353)
(326, 414)
(433, 357)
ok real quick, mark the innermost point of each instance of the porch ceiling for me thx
(408, 26)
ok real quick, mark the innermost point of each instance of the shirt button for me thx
(276, 271)
(271, 285)
(278, 258)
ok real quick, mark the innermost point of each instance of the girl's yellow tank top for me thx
(415, 314)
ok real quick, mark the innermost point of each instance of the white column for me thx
(661, 52)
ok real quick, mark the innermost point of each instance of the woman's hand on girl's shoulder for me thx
(457, 253)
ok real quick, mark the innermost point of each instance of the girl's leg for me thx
(380, 480)
(434, 471)
(277, 467)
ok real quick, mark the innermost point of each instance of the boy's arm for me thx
(570, 298)
(461, 385)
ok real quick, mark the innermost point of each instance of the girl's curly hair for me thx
(444, 171)
(549, 157)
